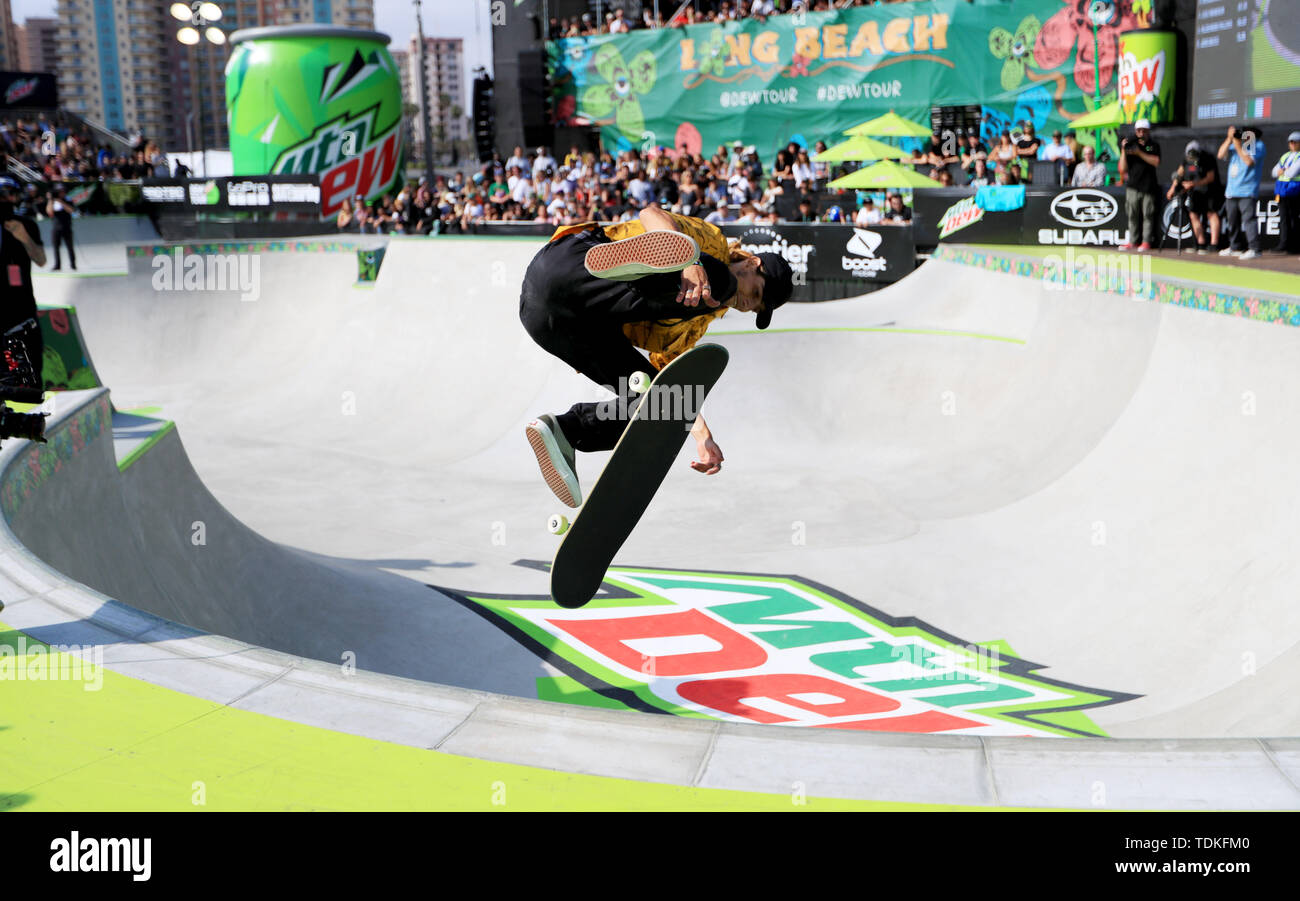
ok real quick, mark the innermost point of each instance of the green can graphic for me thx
(1146, 75)
(318, 99)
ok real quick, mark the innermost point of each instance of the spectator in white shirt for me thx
(804, 177)
(1089, 173)
(868, 214)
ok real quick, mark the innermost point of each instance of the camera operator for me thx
(20, 333)
(1139, 156)
(1196, 182)
(1242, 149)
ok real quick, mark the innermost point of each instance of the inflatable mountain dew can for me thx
(316, 98)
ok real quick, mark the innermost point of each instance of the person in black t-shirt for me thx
(1138, 159)
(60, 213)
(1197, 183)
(20, 333)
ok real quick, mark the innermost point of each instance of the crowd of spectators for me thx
(964, 159)
(617, 20)
(66, 151)
(731, 186)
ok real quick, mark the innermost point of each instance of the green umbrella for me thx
(859, 148)
(890, 125)
(1106, 116)
(885, 174)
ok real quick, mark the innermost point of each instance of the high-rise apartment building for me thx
(119, 63)
(444, 79)
(8, 37)
(36, 44)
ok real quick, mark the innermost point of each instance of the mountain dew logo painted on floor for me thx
(316, 99)
(782, 650)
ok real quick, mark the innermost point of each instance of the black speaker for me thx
(483, 107)
(535, 98)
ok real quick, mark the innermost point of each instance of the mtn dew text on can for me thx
(316, 98)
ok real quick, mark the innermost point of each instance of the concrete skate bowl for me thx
(977, 539)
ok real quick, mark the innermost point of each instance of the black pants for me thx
(1288, 229)
(586, 334)
(60, 235)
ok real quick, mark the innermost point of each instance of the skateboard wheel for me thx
(558, 524)
(639, 382)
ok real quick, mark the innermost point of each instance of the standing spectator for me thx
(821, 171)
(618, 24)
(1139, 156)
(1058, 152)
(1089, 173)
(517, 160)
(541, 162)
(60, 213)
(1286, 175)
(806, 213)
(1027, 148)
(1242, 151)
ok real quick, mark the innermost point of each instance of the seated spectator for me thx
(980, 176)
(898, 213)
(346, 221)
(724, 214)
(868, 214)
(773, 191)
(804, 177)
(973, 150)
(1088, 173)
(1004, 153)
(807, 212)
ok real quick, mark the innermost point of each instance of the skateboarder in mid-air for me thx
(21, 346)
(594, 294)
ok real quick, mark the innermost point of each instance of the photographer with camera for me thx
(21, 347)
(1242, 149)
(1196, 184)
(1139, 156)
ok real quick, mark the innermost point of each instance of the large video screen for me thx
(1246, 62)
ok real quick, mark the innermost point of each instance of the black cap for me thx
(778, 285)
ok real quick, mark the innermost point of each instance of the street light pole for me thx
(424, 100)
(200, 14)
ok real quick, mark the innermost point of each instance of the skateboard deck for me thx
(640, 461)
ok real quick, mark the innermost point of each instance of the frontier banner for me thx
(809, 76)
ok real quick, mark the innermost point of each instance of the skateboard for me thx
(633, 473)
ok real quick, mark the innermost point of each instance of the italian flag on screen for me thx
(1262, 108)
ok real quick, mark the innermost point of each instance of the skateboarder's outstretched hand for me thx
(710, 462)
(695, 287)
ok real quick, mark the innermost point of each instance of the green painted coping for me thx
(1232, 278)
(947, 333)
(135, 746)
(145, 445)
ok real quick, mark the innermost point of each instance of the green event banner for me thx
(809, 76)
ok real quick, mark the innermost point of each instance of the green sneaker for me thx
(555, 456)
